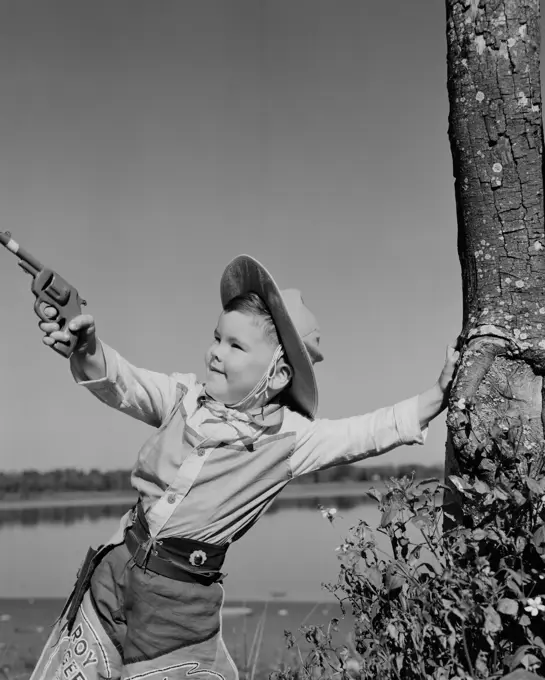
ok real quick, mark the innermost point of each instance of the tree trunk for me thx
(496, 136)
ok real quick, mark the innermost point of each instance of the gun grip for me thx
(52, 290)
(65, 349)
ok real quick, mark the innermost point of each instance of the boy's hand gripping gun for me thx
(50, 289)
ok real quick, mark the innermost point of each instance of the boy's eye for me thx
(236, 346)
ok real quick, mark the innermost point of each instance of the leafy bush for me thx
(464, 603)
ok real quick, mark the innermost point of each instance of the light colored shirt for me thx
(209, 472)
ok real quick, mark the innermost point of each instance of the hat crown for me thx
(304, 321)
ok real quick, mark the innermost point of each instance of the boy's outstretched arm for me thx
(324, 443)
(433, 401)
(145, 395)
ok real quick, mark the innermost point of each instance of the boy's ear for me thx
(282, 376)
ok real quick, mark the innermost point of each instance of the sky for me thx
(145, 144)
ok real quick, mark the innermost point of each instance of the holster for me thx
(83, 580)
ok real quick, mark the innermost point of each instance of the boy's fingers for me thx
(452, 353)
(81, 321)
(56, 336)
(48, 311)
(60, 336)
(48, 326)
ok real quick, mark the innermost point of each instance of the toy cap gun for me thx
(49, 289)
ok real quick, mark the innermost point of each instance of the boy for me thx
(148, 604)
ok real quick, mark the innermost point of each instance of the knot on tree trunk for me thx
(496, 407)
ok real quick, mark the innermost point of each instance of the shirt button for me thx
(171, 498)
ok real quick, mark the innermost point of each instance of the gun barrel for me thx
(5, 238)
(22, 254)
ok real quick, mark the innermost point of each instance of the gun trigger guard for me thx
(38, 309)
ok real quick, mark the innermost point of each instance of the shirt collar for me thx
(263, 416)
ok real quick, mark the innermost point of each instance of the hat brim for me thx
(244, 275)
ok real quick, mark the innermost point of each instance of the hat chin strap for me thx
(252, 398)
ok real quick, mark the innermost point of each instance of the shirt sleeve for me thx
(324, 443)
(142, 394)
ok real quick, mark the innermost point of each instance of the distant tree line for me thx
(32, 482)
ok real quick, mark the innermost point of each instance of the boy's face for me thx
(238, 357)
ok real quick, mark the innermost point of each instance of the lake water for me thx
(287, 555)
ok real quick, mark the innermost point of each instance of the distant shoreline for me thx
(94, 498)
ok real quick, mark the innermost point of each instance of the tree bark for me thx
(496, 137)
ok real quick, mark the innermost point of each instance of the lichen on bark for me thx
(496, 136)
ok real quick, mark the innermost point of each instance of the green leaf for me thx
(500, 494)
(421, 520)
(514, 660)
(374, 577)
(510, 583)
(520, 543)
(392, 631)
(508, 606)
(536, 487)
(519, 498)
(538, 539)
(478, 534)
(375, 493)
(393, 580)
(538, 642)
(387, 517)
(458, 483)
(529, 660)
(481, 487)
(492, 620)
(428, 480)
(515, 575)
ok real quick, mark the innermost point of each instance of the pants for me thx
(134, 624)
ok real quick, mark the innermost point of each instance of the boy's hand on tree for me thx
(82, 325)
(435, 400)
(451, 361)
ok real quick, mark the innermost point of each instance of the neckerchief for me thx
(245, 425)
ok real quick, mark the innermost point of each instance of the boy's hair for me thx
(252, 304)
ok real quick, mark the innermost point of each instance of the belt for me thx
(181, 559)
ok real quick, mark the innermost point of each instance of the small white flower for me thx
(461, 404)
(342, 548)
(329, 513)
(352, 665)
(534, 606)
